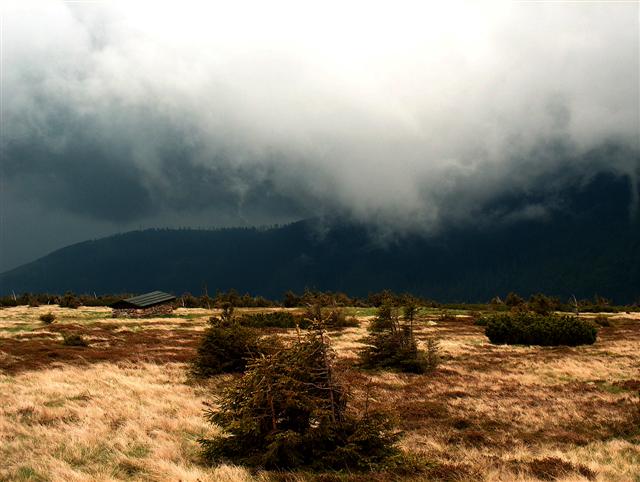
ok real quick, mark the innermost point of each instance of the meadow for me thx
(125, 407)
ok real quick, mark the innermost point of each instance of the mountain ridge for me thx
(589, 247)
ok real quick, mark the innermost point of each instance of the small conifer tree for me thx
(289, 410)
(410, 313)
(386, 317)
(392, 344)
(332, 317)
(226, 346)
(69, 300)
(513, 300)
(48, 318)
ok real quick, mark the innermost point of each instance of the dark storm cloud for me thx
(118, 114)
(86, 168)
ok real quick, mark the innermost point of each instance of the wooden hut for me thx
(146, 305)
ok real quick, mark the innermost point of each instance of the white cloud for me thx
(392, 111)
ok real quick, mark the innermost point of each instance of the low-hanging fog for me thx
(120, 115)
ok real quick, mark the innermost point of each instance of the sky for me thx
(404, 115)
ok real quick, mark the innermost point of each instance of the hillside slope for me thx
(589, 246)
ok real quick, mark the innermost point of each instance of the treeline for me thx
(539, 302)
(68, 299)
(542, 304)
(232, 297)
(307, 298)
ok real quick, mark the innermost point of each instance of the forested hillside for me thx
(587, 245)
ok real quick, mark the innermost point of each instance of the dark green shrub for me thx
(7, 301)
(189, 301)
(336, 318)
(276, 319)
(393, 345)
(225, 349)
(47, 318)
(597, 305)
(475, 316)
(446, 316)
(432, 355)
(69, 300)
(237, 300)
(226, 346)
(602, 320)
(324, 310)
(101, 300)
(513, 300)
(387, 297)
(482, 321)
(72, 339)
(527, 328)
(410, 312)
(291, 300)
(385, 318)
(398, 350)
(288, 410)
(542, 304)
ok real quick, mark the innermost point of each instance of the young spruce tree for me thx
(392, 343)
(226, 346)
(289, 410)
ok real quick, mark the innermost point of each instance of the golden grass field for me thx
(124, 408)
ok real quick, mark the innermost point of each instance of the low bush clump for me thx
(276, 319)
(446, 316)
(226, 346)
(69, 300)
(514, 300)
(72, 339)
(336, 318)
(482, 321)
(393, 345)
(288, 410)
(602, 320)
(47, 318)
(528, 328)
(398, 350)
(385, 318)
(542, 304)
(332, 317)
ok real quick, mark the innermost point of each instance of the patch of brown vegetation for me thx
(31, 351)
(449, 472)
(630, 385)
(553, 468)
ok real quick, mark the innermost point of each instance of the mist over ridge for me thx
(409, 119)
(587, 248)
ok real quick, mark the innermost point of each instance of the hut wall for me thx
(149, 312)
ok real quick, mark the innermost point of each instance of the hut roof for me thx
(144, 301)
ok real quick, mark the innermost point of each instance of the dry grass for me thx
(106, 422)
(123, 408)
